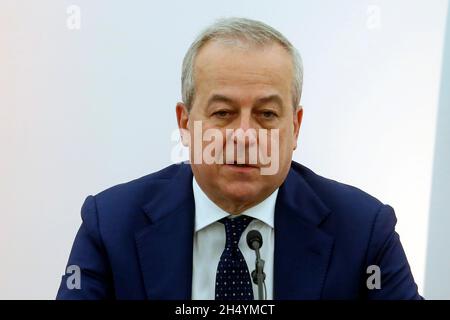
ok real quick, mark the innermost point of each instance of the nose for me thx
(245, 121)
(245, 129)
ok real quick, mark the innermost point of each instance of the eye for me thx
(222, 114)
(268, 114)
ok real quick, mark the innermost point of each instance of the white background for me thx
(82, 110)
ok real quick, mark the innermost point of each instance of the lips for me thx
(243, 165)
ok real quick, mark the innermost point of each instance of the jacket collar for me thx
(302, 249)
(165, 245)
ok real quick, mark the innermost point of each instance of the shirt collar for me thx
(207, 212)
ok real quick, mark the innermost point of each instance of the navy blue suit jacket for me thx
(136, 241)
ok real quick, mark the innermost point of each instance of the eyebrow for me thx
(219, 98)
(271, 98)
(260, 101)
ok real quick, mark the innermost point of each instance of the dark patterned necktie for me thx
(233, 278)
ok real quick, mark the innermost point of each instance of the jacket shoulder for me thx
(122, 204)
(340, 198)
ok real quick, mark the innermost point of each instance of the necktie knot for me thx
(234, 227)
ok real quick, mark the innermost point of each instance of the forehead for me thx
(243, 69)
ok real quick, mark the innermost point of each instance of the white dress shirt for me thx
(209, 242)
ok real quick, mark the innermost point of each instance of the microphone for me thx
(254, 239)
(255, 242)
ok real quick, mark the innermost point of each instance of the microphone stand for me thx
(258, 274)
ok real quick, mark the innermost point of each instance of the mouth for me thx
(239, 164)
(241, 167)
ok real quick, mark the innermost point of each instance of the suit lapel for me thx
(165, 245)
(302, 250)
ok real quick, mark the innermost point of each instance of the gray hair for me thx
(245, 30)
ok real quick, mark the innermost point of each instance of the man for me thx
(180, 233)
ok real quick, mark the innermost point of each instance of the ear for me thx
(183, 122)
(298, 116)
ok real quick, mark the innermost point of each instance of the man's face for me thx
(242, 88)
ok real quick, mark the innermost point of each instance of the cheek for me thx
(284, 141)
(288, 133)
(208, 175)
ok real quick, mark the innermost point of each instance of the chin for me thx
(241, 192)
